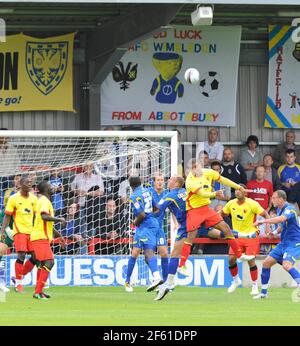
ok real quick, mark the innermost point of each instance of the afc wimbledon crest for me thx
(46, 64)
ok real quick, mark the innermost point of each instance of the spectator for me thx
(289, 173)
(11, 191)
(72, 231)
(88, 187)
(204, 159)
(232, 170)
(216, 166)
(212, 146)
(265, 249)
(279, 152)
(124, 189)
(270, 172)
(10, 164)
(262, 189)
(111, 229)
(251, 157)
(57, 185)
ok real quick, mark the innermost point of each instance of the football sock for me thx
(165, 267)
(44, 273)
(254, 273)
(173, 265)
(131, 264)
(28, 266)
(152, 264)
(19, 269)
(265, 277)
(233, 270)
(295, 275)
(185, 252)
(235, 247)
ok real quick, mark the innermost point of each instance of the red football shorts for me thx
(42, 250)
(248, 246)
(22, 242)
(196, 217)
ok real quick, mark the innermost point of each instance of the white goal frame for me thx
(170, 135)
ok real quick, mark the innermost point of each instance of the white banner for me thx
(283, 102)
(148, 87)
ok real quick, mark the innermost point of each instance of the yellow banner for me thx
(36, 74)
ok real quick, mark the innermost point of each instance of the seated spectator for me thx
(270, 172)
(265, 249)
(12, 190)
(88, 188)
(280, 150)
(10, 162)
(72, 231)
(204, 159)
(216, 166)
(289, 173)
(213, 148)
(294, 195)
(111, 228)
(232, 170)
(57, 185)
(262, 189)
(251, 156)
(124, 188)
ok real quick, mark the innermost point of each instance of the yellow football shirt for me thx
(22, 209)
(43, 229)
(193, 184)
(244, 214)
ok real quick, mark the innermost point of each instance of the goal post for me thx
(103, 161)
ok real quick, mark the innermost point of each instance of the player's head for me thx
(279, 198)
(25, 183)
(290, 157)
(134, 182)
(240, 194)
(17, 179)
(175, 182)
(260, 172)
(195, 167)
(158, 180)
(45, 188)
(228, 155)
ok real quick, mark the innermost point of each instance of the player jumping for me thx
(147, 230)
(199, 189)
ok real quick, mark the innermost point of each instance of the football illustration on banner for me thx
(122, 76)
(210, 84)
(167, 86)
(192, 76)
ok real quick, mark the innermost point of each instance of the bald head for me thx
(175, 182)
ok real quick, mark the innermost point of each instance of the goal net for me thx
(88, 172)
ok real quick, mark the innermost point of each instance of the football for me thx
(210, 84)
(192, 76)
(9, 232)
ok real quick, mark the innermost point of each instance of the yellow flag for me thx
(36, 74)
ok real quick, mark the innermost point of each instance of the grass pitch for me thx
(112, 306)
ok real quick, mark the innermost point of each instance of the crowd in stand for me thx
(96, 204)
